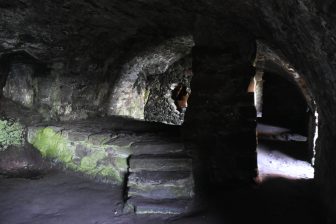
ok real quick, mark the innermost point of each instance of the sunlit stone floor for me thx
(273, 162)
(279, 157)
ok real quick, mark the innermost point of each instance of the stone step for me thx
(161, 185)
(157, 148)
(158, 178)
(160, 164)
(163, 207)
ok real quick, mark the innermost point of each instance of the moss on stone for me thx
(11, 133)
(98, 139)
(89, 163)
(111, 172)
(54, 145)
(121, 163)
(121, 151)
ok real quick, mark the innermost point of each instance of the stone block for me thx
(160, 164)
(163, 207)
(161, 185)
(99, 139)
(156, 148)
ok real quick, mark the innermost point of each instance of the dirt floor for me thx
(65, 198)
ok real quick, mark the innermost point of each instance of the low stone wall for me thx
(82, 152)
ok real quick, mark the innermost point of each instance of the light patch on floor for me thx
(275, 163)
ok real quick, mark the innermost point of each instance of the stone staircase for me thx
(160, 178)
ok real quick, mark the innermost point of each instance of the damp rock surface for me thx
(58, 198)
(22, 162)
(161, 105)
(66, 198)
(86, 43)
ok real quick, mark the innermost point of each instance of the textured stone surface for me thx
(160, 185)
(157, 148)
(92, 148)
(23, 162)
(15, 111)
(79, 155)
(163, 207)
(160, 179)
(272, 61)
(160, 106)
(93, 39)
(160, 164)
(66, 198)
(19, 85)
(130, 93)
(54, 96)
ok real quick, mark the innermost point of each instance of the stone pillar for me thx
(221, 116)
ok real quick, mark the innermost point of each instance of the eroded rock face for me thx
(19, 161)
(79, 152)
(98, 148)
(93, 39)
(130, 94)
(54, 95)
(57, 95)
(161, 105)
(19, 85)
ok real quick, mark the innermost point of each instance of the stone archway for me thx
(130, 93)
(271, 60)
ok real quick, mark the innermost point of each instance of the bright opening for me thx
(286, 141)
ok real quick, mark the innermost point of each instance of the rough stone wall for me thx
(73, 97)
(19, 85)
(160, 106)
(129, 94)
(272, 60)
(88, 35)
(81, 151)
(305, 34)
(58, 95)
(52, 93)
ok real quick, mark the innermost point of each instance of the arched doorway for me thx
(286, 116)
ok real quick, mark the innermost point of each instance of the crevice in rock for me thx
(125, 187)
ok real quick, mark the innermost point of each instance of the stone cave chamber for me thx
(147, 111)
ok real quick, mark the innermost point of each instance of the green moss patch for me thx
(94, 161)
(52, 145)
(11, 133)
